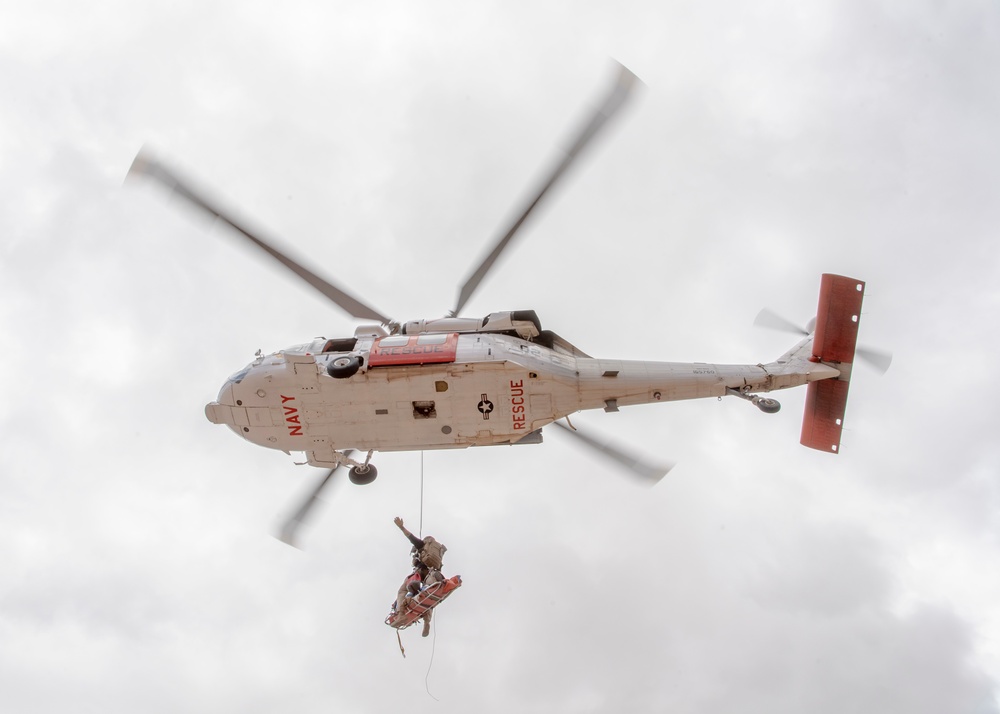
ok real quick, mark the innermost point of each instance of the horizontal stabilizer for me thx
(834, 342)
(837, 318)
(826, 403)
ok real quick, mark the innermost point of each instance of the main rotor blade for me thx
(648, 473)
(613, 101)
(148, 166)
(291, 525)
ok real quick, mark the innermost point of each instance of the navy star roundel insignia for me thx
(485, 407)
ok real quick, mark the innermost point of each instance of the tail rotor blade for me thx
(146, 165)
(773, 321)
(876, 358)
(624, 84)
(650, 474)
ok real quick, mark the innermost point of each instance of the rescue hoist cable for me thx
(437, 621)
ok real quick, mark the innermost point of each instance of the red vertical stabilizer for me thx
(836, 336)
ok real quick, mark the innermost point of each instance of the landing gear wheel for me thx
(769, 406)
(362, 475)
(344, 367)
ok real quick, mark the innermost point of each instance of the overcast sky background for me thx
(385, 142)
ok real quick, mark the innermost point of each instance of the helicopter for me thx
(455, 381)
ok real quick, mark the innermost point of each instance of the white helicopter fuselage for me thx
(482, 389)
(455, 382)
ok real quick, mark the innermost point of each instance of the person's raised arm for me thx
(417, 543)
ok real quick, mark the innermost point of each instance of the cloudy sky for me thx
(385, 142)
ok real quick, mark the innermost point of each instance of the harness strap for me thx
(400, 640)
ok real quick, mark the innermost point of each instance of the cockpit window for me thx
(238, 377)
(315, 347)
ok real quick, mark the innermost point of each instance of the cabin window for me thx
(346, 344)
(399, 341)
(432, 339)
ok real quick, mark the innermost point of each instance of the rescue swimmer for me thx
(427, 557)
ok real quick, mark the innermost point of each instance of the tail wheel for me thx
(362, 475)
(344, 367)
(768, 406)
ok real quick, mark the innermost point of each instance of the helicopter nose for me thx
(242, 406)
(224, 410)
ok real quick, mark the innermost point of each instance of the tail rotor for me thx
(879, 360)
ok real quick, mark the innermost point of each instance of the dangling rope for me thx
(437, 622)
